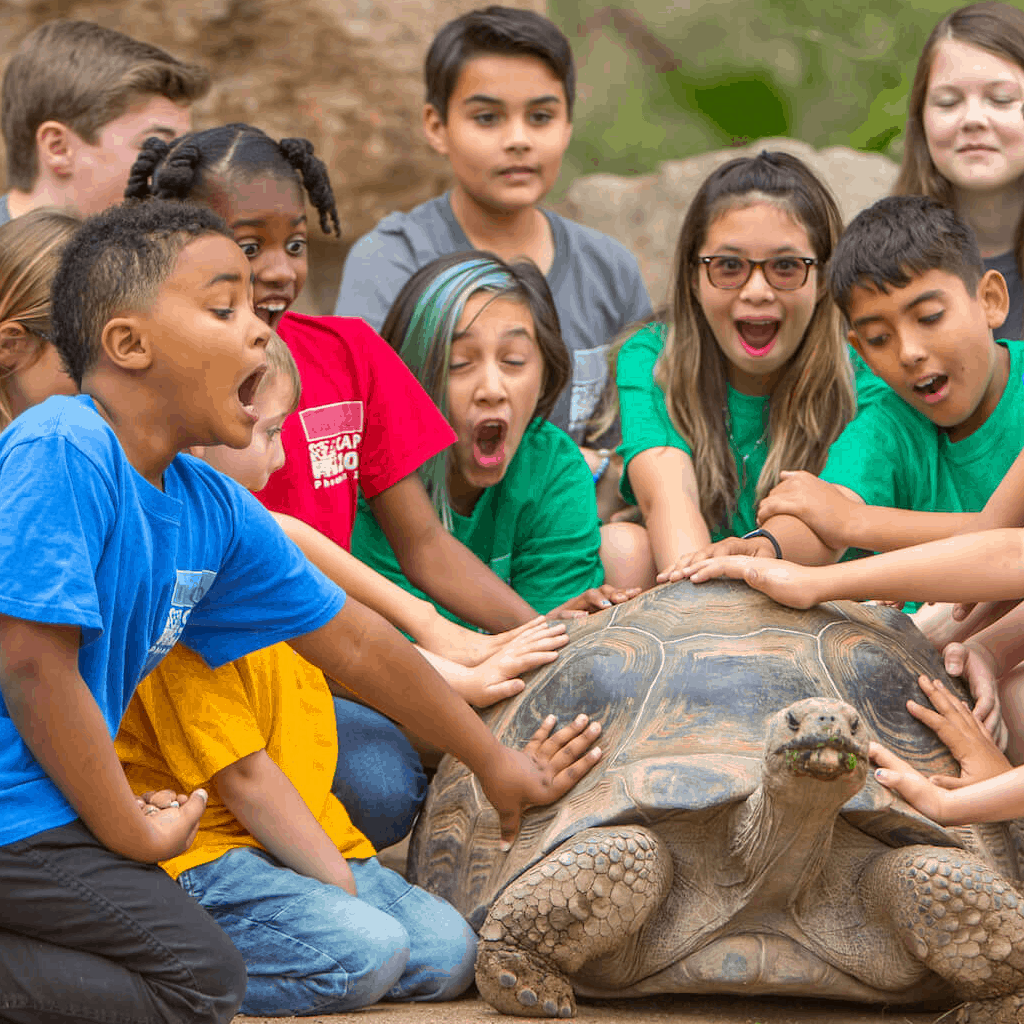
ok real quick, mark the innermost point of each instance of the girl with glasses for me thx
(750, 375)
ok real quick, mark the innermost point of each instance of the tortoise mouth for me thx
(824, 757)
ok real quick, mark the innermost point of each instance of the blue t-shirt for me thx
(86, 541)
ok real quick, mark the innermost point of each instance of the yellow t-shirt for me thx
(187, 721)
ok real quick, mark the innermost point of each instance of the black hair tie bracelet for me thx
(764, 533)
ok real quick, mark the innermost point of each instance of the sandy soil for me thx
(674, 1009)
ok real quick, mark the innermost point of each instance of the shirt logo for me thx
(190, 587)
(333, 433)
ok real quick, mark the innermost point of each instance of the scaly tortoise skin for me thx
(732, 839)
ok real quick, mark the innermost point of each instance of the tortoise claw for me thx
(521, 983)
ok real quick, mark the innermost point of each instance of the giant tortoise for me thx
(728, 841)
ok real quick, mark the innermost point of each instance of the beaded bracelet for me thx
(764, 533)
(605, 455)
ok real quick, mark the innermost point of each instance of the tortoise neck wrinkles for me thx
(782, 833)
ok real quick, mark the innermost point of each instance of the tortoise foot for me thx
(520, 983)
(1007, 1010)
(583, 901)
(963, 919)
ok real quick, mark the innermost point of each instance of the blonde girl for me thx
(964, 143)
(30, 368)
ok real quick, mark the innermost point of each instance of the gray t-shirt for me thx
(595, 282)
(1006, 264)
(5, 210)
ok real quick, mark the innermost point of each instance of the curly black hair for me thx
(188, 167)
(117, 261)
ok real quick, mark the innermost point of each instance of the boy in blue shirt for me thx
(112, 549)
(501, 83)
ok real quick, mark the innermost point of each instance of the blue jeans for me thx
(379, 777)
(312, 948)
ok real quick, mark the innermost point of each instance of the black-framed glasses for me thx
(786, 273)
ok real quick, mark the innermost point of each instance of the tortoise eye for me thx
(792, 720)
(854, 725)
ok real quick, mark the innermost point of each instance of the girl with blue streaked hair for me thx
(482, 338)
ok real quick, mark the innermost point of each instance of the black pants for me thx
(87, 935)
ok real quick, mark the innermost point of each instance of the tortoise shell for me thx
(684, 679)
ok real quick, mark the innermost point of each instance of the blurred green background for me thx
(660, 81)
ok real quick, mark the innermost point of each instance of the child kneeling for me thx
(322, 926)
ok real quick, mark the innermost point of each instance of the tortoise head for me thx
(817, 738)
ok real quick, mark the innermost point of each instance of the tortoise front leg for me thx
(582, 901)
(962, 919)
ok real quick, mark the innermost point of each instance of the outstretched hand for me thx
(896, 774)
(977, 665)
(754, 547)
(968, 740)
(499, 676)
(596, 599)
(548, 766)
(785, 582)
(466, 646)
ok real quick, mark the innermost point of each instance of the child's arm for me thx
(995, 799)
(62, 725)
(974, 567)
(435, 562)
(797, 541)
(665, 485)
(419, 618)
(263, 799)
(498, 677)
(372, 659)
(842, 520)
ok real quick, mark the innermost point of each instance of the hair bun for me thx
(176, 177)
(153, 150)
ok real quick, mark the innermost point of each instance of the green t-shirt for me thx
(537, 529)
(892, 455)
(646, 424)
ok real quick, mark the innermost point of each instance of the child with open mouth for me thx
(749, 375)
(482, 337)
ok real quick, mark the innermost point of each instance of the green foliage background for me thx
(661, 80)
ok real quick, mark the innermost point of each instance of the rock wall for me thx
(346, 74)
(645, 212)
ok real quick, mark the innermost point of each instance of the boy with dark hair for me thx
(155, 547)
(500, 91)
(279, 863)
(78, 100)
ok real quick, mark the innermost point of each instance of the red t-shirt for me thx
(363, 422)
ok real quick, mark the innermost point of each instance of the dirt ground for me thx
(671, 1009)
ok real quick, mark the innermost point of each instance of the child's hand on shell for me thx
(754, 547)
(785, 582)
(967, 738)
(498, 677)
(549, 766)
(896, 774)
(596, 599)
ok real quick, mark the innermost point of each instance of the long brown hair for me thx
(813, 400)
(30, 250)
(995, 27)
